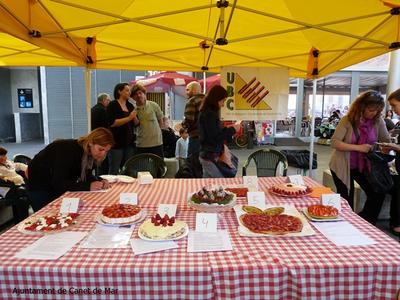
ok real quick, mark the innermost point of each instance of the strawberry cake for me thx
(291, 189)
(162, 228)
(120, 213)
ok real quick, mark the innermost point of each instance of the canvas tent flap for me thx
(168, 35)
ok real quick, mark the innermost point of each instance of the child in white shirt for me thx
(181, 149)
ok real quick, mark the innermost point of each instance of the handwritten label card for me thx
(296, 179)
(167, 209)
(256, 199)
(332, 200)
(206, 222)
(128, 198)
(69, 205)
(251, 182)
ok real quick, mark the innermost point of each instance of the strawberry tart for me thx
(50, 223)
(120, 214)
(291, 189)
(162, 228)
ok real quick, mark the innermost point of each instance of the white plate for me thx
(212, 208)
(305, 212)
(140, 217)
(109, 178)
(185, 233)
(289, 210)
(30, 220)
(125, 179)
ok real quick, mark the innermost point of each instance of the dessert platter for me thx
(282, 220)
(290, 190)
(212, 199)
(164, 228)
(50, 223)
(120, 214)
(322, 213)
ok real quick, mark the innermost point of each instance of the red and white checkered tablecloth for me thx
(278, 267)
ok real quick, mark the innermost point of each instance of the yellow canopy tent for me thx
(197, 35)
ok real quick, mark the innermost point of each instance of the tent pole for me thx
(310, 171)
(88, 97)
(204, 83)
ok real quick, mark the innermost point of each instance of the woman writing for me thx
(66, 165)
(122, 119)
(212, 134)
(355, 136)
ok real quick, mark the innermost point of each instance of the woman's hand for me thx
(133, 114)
(99, 185)
(390, 146)
(364, 148)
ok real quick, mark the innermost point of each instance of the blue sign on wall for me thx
(25, 99)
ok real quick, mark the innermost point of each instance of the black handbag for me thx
(229, 169)
(378, 176)
(225, 169)
(376, 170)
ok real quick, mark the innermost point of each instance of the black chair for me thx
(16, 197)
(267, 163)
(145, 162)
(22, 158)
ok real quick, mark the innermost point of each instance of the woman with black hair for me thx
(122, 119)
(212, 133)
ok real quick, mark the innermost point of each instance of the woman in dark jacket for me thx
(394, 101)
(66, 165)
(122, 119)
(212, 134)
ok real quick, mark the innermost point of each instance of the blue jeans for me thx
(118, 157)
(210, 170)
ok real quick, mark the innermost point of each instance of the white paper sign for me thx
(209, 241)
(206, 222)
(344, 234)
(142, 247)
(251, 182)
(51, 246)
(296, 179)
(128, 198)
(256, 199)
(69, 205)
(332, 200)
(167, 209)
(108, 237)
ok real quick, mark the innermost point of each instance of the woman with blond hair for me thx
(66, 165)
(354, 137)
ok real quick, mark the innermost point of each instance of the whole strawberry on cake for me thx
(212, 196)
(162, 228)
(212, 199)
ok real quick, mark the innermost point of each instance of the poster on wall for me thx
(255, 93)
(264, 132)
(25, 99)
